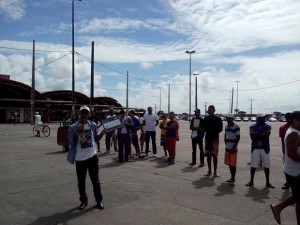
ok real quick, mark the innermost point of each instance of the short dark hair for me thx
(122, 111)
(212, 107)
(288, 115)
(295, 115)
(132, 111)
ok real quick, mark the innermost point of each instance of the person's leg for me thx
(120, 148)
(200, 143)
(81, 170)
(153, 139)
(232, 172)
(194, 153)
(298, 213)
(255, 159)
(147, 139)
(276, 209)
(209, 165)
(93, 168)
(107, 141)
(127, 146)
(215, 160)
(266, 162)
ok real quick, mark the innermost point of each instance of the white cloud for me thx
(146, 65)
(13, 8)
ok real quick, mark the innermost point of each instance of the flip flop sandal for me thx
(249, 184)
(276, 217)
(216, 175)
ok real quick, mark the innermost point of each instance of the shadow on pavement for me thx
(61, 218)
(189, 169)
(225, 189)
(258, 195)
(203, 182)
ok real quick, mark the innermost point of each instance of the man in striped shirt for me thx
(231, 139)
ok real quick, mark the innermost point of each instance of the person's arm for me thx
(157, 122)
(236, 142)
(292, 144)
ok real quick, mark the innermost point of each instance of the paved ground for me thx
(38, 186)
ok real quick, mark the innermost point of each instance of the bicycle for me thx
(43, 128)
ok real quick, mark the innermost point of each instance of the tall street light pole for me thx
(196, 90)
(237, 96)
(159, 98)
(190, 84)
(73, 62)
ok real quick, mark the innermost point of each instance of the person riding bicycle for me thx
(38, 122)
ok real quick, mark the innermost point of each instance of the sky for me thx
(249, 45)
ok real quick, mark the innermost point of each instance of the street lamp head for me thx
(195, 74)
(190, 52)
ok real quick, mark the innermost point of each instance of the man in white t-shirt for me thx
(150, 121)
(82, 136)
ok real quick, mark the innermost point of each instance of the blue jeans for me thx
(151, 134)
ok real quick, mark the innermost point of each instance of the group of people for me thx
(83, 137)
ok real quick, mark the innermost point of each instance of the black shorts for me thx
(294, 182)
(135, 140)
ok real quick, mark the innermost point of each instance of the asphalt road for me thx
(38, 186)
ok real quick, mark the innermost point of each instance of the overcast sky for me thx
(255, 42)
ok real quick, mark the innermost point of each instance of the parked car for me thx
(237, 118)
(282, 119)
(245, 118)
(253, 119)
(272, 119)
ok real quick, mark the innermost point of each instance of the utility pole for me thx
(251, 106)
(205, 107)
(169, 98)
(33, 85)
(127, 95)
(237, 97)
(232, 92)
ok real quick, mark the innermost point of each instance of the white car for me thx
(253, 119)
(245, 118)
(238, 119)
(272, 119)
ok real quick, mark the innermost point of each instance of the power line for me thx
(53, 61)
(37, 50)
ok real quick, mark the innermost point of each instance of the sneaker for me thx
(201, 165)
(100, 205)
(155, 155)
(82, 205)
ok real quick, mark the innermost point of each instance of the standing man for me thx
(260, 148)
(82, 137)
(231, 139)
(213, 126)
(134, 136)
(198, 132)
(171, 137)
(163, 132)
(124, 137)
(282, 131)
(110, 136)
(150, 121)
(291, 168)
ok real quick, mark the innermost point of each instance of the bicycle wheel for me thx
(35, 130)
(46, 131)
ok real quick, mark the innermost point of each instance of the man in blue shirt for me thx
(260, 148)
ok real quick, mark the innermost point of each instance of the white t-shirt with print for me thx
(86, 147)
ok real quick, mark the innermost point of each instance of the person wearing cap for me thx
(134, 138)
(213, 126)
(231, 139)
(282, 131)
(111, 135)
(82, 137)
(291, 168)
(38, 122)
(198, 132)
(260, 148)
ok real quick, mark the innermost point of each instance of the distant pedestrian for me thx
(163, 131)
(66, 122)
(96, 119)
(198, 132)
(134, 133)
(124, 137)
(15, 115)
(291, 168)
(171, 137)
(142, 132)
(150, 121)
(38, 122)
(260, 148)
(282, 131)
(82, 137)
(231, 139)
(213, 127)
(111, 136)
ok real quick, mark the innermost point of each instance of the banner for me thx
(112, 123)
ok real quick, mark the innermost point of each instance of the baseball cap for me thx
(260, 115)
(84, 108)
(197, 110)
(229, 116)
(37, 113)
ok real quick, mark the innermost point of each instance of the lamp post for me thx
(237, 97)
(159, 98)
(196, 100)
(73, 62)
(190, 84)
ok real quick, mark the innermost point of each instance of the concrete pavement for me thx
(39, 187)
